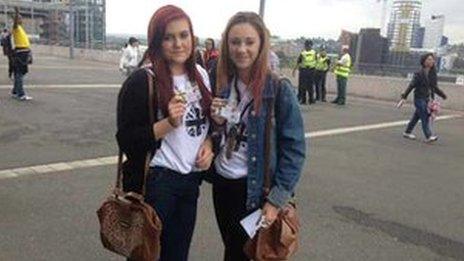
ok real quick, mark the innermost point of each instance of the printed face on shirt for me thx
(177, 42)
(243, 43)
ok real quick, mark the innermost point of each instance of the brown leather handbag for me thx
(280, 240)
(129, 226)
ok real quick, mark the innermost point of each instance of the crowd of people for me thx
(217, 129)
(210, 114)
(211, 107)
(312, 73)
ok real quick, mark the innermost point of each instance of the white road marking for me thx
(65, 86)
(369, 127)
(112, 160)
(57, 167)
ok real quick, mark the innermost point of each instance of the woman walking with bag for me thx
(249, 91)
(425, 87)
(178, 139)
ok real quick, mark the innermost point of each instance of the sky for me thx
(284, 18)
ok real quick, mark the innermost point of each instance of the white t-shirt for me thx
(179, 148)
(131, 57)
(345, 60)
(237, 166)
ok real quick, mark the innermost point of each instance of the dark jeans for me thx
(20, 68)
(174, 197)
(422, 114)
(341, 90)
(18, 86)
(306, 85)
(229, 198)
(10, 65)
(320, 85)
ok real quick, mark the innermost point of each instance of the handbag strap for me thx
(267, 138)
(151, 116)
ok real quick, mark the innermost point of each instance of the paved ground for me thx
(364, 195)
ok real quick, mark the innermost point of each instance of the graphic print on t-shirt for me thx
(242, 137)
(195, 121)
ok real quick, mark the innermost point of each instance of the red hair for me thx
(154, 54)
(260, 70)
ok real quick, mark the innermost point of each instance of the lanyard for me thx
(236, 131)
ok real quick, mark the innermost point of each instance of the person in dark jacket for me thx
(178, 141)
(8, 51)
(425, 87)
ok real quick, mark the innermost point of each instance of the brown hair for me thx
(154, 54)
(226, 69)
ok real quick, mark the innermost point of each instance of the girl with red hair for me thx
(251, 93)
(178, 140)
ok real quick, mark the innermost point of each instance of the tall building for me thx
(48, 21)
(418, 40)
(369, 49)
(434, 28)
(404, 25)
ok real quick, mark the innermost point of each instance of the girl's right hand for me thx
(176, 109)
(216, 106)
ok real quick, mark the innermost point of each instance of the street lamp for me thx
(262, 3)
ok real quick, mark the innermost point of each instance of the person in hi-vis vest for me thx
(342, 71)
(306, 63)
(322, 67)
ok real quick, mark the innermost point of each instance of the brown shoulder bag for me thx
(129, 226)
(280, 240)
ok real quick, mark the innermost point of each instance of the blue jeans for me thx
(341, 90)
(422, 114)
(18, 88)
(174, 197)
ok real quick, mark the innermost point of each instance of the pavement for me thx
(365, 192)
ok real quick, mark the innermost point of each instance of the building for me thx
(434, 28)
(351, 40)
(372, 51)
(404, 24)
(49, 21)
(418, 40)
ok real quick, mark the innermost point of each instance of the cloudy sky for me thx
(285, 18)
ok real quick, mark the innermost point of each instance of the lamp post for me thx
(262, 4)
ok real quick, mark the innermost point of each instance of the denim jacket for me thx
(287, 146)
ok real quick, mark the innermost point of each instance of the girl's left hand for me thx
(205, 155)
(270, 213)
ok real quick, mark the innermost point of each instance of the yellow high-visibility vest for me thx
(321, 63)
(344, 70)
(309, 59)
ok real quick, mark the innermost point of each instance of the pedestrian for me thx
(274, 62)
(342, 71)
(178, 139)
(199, 53)
(322, 67)
(247, 86)
(425, 85)
(8, 50)
(130, 57)
(22, 57)
(210, 55)
(306, 64)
